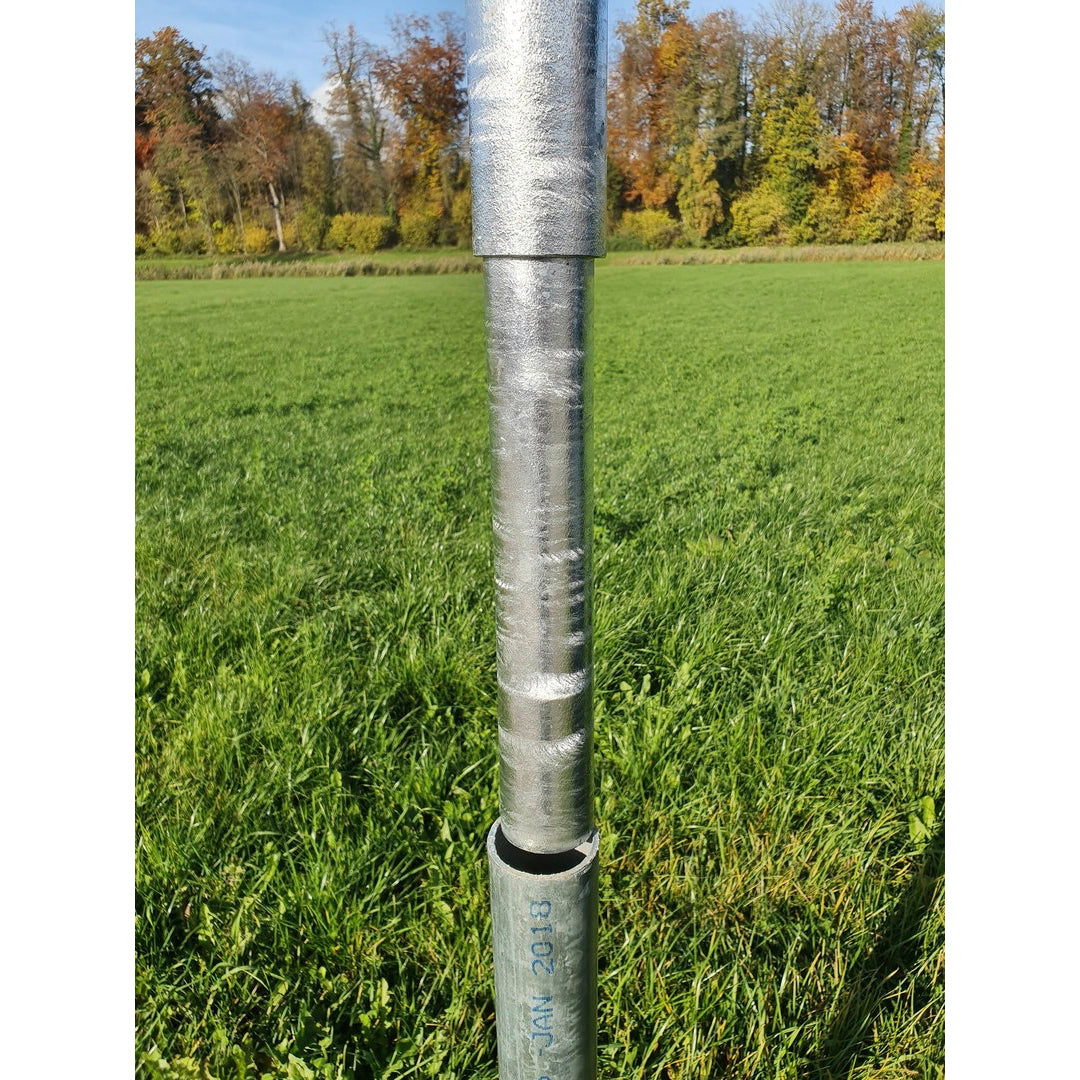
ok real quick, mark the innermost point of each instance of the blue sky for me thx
(284, 34)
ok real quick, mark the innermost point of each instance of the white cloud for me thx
(320, 101)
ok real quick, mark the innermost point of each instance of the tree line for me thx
(808, 125)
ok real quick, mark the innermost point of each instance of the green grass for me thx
(316, 689)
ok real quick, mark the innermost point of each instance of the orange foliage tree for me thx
(424, 81)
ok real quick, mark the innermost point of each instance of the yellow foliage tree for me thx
(699, 201)
(758, 217)
(925, 191)
(257, 239)
(649, 230)
(843, 172)
(880, 213)
(828, 219)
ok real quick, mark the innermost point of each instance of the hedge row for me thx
(311, 231)
(886, 213)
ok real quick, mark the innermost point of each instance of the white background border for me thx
(1013, 405)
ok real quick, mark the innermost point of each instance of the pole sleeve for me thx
(544, 929)
(537, 72)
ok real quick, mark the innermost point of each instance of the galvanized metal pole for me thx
(537, 94)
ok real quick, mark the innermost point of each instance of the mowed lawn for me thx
(315, 674)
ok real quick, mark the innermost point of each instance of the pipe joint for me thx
(537, 75)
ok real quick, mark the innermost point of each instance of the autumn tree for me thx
(423, 78)
(785, 65)
(849, 84)
(813, 124)
(260, 125)
(842, 176)
(356, 112)
(175, 118)
(677, 107)
(700, 206)
(920, 48)
(924, 192)
(646, 101)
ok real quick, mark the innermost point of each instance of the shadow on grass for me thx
(885, 972)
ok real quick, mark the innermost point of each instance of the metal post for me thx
(537, 94)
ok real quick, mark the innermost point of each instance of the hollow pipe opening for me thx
(544, 927)
(539, 863)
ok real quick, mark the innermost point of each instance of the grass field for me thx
(315, 682)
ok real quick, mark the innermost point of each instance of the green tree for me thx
(725, 100)
(313, 167)
(793, 138)
(700, 205)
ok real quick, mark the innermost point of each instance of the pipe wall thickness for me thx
(544, 925)
(540, 406)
